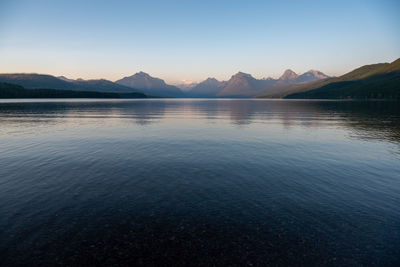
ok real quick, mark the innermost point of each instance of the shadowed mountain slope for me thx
(243, 85)
(280, 91)
(8, 90)
(207, 88)
(43, 81)
(150, 85)
(377, 81)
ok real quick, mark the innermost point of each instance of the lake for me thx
(199, 182)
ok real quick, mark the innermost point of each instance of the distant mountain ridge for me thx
(245, 85)
(311, 75)
(288, 76)
(185, 87)
(33, 81)
(290, 80)
(150, 85)
(65, 79)
(103, 85)
(44, 81)
(207, 88)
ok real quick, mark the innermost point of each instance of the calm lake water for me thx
(199, 182)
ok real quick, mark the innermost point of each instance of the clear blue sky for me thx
(192, 40)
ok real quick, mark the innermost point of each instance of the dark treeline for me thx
(383, 86)
(15, 91)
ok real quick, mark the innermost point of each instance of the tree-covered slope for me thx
(34, 81)
(8, 90)
(281, 91)
(378, 81)
(379, 86)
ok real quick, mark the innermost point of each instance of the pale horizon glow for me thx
(189, 41)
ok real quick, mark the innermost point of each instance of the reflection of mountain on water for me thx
(143, 112)
(288, 113)
(379, 120)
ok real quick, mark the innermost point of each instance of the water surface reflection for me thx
(199, 182)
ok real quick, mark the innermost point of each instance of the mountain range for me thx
(380, 80)
(239, 85)
(244, 85)
(290, 77)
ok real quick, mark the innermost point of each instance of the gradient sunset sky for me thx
(192, 40)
